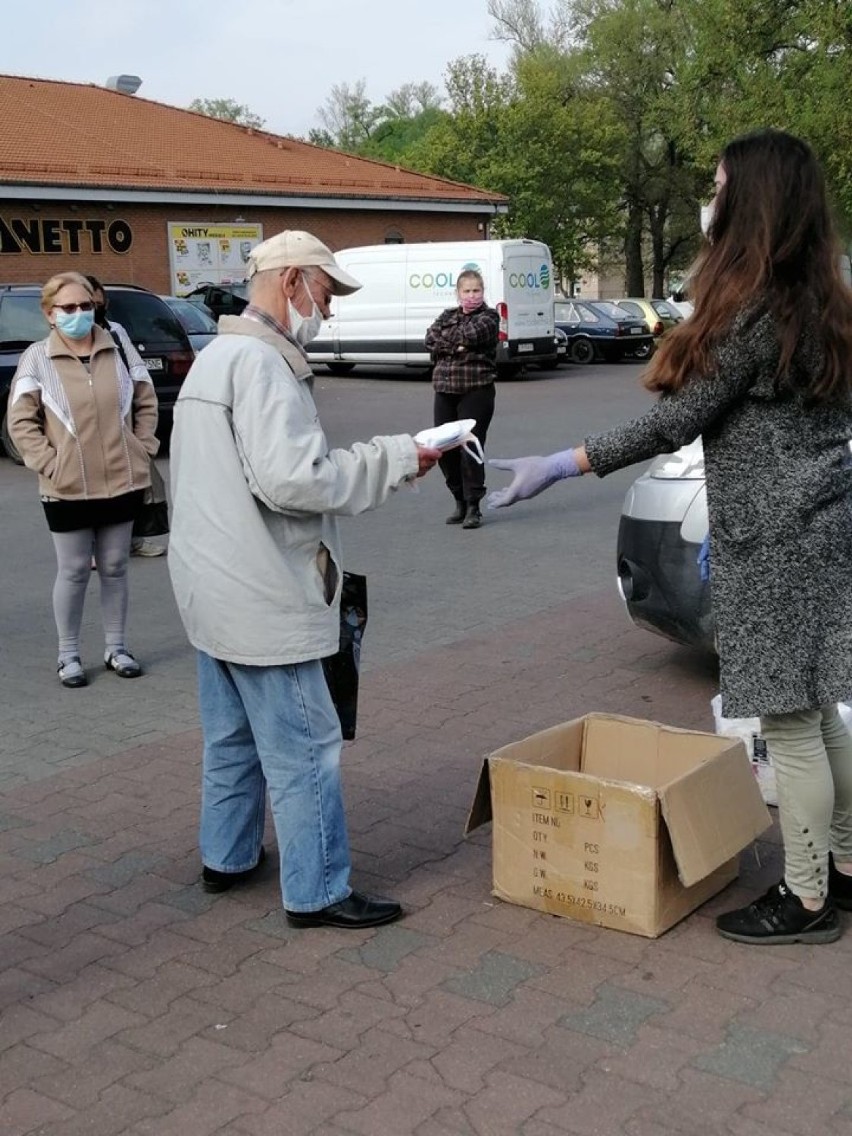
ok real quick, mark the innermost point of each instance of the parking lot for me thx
(135, 1003)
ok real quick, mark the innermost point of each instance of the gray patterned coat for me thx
(779, 495)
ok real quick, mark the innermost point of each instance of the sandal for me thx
(71, 672)
(123, 663)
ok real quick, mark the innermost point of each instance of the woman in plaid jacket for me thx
(463, 344)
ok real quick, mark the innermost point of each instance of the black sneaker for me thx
(779, 917)
(215, 881)
(839, 886)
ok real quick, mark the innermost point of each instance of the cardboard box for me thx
(617, 821)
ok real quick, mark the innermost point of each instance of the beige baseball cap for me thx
(295, 248)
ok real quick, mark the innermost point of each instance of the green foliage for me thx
(229, 110)
(605, 129)
(394, 139)
(774, 63)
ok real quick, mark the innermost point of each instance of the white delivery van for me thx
(406, 286)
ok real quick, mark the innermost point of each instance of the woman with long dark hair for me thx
(763, 372)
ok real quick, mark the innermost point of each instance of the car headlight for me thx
(687, 463)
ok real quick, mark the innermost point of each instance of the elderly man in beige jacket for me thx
(256, 568)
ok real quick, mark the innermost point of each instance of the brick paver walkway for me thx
(132, 1002)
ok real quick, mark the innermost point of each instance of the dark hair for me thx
(100, 316)
(771, 247)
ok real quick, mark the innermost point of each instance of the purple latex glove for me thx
(531, 476)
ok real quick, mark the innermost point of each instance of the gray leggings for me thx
(74, 550)
(812, 754)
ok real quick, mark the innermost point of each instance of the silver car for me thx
(663, 524)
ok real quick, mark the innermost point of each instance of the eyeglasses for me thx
(69, 309)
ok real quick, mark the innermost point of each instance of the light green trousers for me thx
(811, 751)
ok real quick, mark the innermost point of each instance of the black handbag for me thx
(342, 670)
(153, 516)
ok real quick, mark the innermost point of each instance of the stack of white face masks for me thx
(451, 434)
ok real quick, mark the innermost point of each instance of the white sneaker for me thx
(147, 547)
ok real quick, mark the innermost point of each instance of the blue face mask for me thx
(75, 325)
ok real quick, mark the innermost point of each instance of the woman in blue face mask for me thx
(85, 423)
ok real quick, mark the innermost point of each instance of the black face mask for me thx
(100, 315)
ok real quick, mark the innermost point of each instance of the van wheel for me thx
(340, 368)
(8, 445)
(582, 350)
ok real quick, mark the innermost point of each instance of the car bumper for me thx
(617, 348)
(530, 350)
(660, 583)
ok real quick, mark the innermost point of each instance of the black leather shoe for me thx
(214, 881)
(356, 911)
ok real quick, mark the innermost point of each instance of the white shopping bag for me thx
(748, 731)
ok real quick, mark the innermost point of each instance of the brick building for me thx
(138, 192)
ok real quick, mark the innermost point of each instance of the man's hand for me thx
(531, 476)
(426, 459)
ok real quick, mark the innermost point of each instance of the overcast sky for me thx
(278, 57)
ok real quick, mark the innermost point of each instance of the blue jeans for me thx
(273, 727)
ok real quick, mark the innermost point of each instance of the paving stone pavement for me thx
(134, 1003)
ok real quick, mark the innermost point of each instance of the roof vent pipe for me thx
(126, 84)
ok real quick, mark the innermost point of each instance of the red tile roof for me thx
(54, 133)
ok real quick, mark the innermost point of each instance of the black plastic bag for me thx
(153, 516)
(342, 669)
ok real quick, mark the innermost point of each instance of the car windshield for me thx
(146, 318)
(192, 317)
(21, 319)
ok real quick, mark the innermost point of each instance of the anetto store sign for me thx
(62, 235)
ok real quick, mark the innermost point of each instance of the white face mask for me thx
(305, 328)
(708, 214)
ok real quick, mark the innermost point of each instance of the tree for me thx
(395, 140)
(536, 137)
(412, 99)
(229, 110)
(348, 117)
(783, 63)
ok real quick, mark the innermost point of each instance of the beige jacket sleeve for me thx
(25, 417)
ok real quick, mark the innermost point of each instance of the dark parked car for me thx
(153, 328)
(560, 351)
(196, 319)
(221, 299)
(599, 329)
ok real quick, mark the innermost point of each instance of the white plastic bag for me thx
(748, 732)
